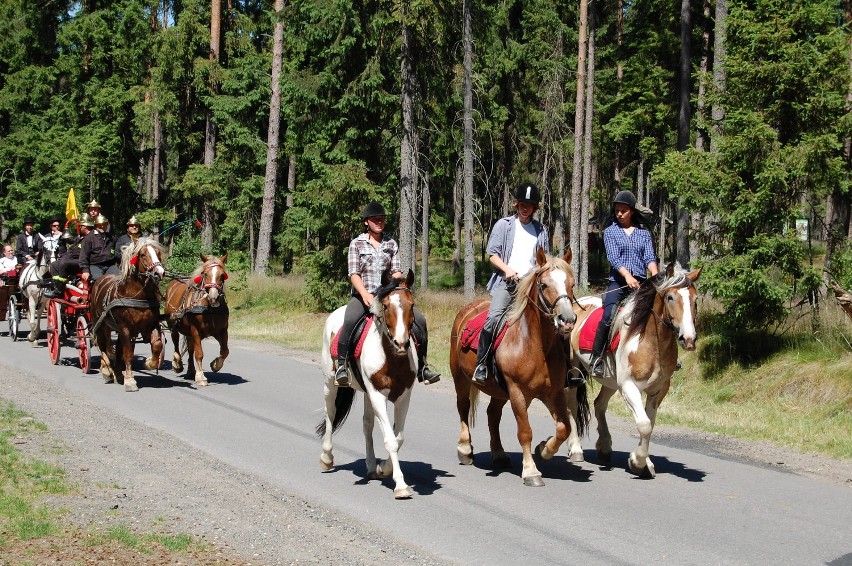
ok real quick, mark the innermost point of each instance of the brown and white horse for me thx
(129, 303)
(197, 309)
(387, 366)
(652, 321)
(533, 360)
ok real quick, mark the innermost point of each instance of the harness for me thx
(111, 301)
(194, 295)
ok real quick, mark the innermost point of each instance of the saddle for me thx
(359, 334)
(590, 328)
(471, 331)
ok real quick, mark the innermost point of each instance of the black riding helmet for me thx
(528, 193)
(373, 209)
(625, 197)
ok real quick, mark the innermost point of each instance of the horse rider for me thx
(26, 244)
(371, 255)
(512, 246)
(68, 265)
(98, 253)
(133, 230)
(630, 252)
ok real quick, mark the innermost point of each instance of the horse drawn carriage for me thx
(68, 321)
(11, 303)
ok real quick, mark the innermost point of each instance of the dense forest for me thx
(273, 123)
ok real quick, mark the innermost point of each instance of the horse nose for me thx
(687, 342)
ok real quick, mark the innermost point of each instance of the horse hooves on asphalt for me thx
(534, 481)
(403, 493)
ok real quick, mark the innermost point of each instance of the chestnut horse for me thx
(197, 309)
(385, 371)
(128, 303)
(649, 325)
(533, 360)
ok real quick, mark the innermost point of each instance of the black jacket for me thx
(97, 249)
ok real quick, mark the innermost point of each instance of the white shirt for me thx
(523, 248)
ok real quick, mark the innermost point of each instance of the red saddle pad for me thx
(359, 344)
(472, 330)
(590, 328)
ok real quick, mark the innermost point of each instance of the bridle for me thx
(199, 280)
(549, 307)
(382, 325)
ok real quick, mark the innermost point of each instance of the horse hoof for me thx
(202, 383)
(576, 457)
(645, 472)
(539, 450)
(326, 465)
(384, 470)
(130, 388)
(177, 368)
(216, 365)
(373, 476)
(534, 481)
(605, 457)
(465, 459)
(502, 462)
(403, 493)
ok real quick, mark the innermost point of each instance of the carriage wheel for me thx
(84, 342)
(54, 330)
(13, 316)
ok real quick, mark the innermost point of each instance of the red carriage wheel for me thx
(54, 330)
(84, 342)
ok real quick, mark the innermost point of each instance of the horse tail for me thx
(584, 413)
(342, 406)
(474, 402)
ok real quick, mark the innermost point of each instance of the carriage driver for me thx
(371, 255)
(133, 230)
(97, 256)
(68, 265)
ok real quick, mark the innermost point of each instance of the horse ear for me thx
(693, 276)
(540, 257)
(224, 258)
(203, 257)
(409, 280)
(568, 255)
(670, 270)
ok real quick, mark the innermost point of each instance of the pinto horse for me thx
(533, 360)
(648, 327)
(29, 281)
(129, 303)
(197, 309)
(385, 371)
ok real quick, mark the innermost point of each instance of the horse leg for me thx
(217, 364)
(575, 448)
(465, 399)
(198, 356)
(156, 349)
(639, 457)
(520, 404)
(642, 453)
(558, 407)
(34, 318)
(367, 423)
(400, 411)
(107, 348)
(125, 342)
(330, 395)
(499, 458)
(177, 361)
(604, 442)
(379, 407)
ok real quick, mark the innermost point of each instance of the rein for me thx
(380, 318)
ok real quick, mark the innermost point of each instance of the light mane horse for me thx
(387, 367)
(653, 320)
(197, 310)
(128, 303)
(532, 358)
(29, 281)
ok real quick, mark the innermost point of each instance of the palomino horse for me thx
(128, 303)
(196, 308)
(385, 371)
(29, 281)
(651, 322)
(532, 359)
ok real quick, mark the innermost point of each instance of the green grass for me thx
(144, 544)
(794, 390)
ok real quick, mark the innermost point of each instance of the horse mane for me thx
(131, 250)
(203, 264)
(384, 291)
(524, 287)
(640, 304)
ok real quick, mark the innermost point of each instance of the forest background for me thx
(273, 123)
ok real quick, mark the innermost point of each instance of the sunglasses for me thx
(54, 225)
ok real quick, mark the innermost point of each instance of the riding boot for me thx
(483, 356)
(57, 291)
(424, 374)
(341, 377)
(596, 366)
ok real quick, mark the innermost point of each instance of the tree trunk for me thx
(407, 206)
(469, 227)
(720, 38)
(619, 77)
(208, 215)
(701, 134)
(424, 238)
(684, 118)
(458, 219)
(579, 121)
(270, 181)
(585, 197)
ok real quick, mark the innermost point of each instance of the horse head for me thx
(678, 293)
(554, 290)
(393, 308)
(211, 278)
(142, 257)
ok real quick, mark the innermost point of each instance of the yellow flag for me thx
(71, 206)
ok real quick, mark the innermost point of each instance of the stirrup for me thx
(341, 376)
(596, 367)
(480, 374)
(575, 378)
(428, 376)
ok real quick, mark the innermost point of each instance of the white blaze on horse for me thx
(648, 328)
(28, 282)
(387, 367)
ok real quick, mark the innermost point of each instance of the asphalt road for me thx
(258, 416)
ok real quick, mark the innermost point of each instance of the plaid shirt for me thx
(370, 263)
(635, 252)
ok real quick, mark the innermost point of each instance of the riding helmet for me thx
(528, 193)
(373, 209)
(625, 197)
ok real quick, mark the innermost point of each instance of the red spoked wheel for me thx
(84, 342)
(54, 330)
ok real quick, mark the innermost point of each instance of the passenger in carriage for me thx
(98, 254)
(630, 252)
(8, 264)
(68, 265)
(371, 255)
(27, 243)
(512, 246)
(50, 241)
(93, 209)
(133, 230)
